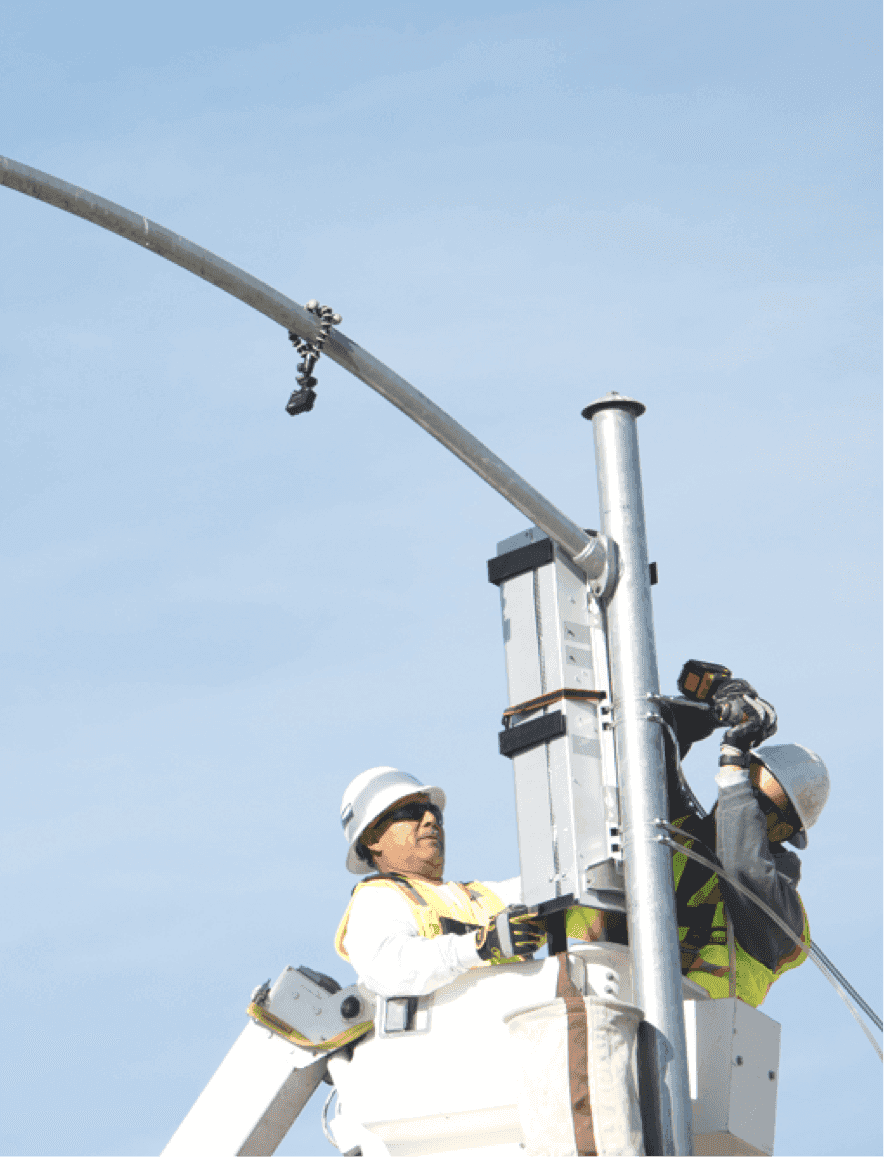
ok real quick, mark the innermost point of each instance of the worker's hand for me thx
(749, 718)
(512, 932)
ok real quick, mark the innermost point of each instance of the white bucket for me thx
(540, 1033)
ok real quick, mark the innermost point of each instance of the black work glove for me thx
(749, 719)
(512, 932)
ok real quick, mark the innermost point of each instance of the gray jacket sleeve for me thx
(743, 849)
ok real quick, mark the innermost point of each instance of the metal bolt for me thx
(739, 1060)
(610, 976)
(771, 1075)
(609, 990)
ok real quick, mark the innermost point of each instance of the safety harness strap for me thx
(578, 1059)
(402, 881)
(698, 918)
(458, 927)
(731, 958)
(472, 891)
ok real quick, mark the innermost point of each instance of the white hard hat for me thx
(369, 795)
(803, 777)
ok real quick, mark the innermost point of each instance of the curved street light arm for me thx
(591, 553)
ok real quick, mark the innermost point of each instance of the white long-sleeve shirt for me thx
(390, 956)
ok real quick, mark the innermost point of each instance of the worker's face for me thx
(778, 827)
(413, 846)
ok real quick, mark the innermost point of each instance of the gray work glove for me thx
(512, 932)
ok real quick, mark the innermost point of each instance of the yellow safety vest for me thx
(435, 914)
(707, 963)
(585, 924)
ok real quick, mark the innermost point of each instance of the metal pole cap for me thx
(614, 401)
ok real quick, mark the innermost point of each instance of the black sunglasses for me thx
(788, 816)
(413, 811)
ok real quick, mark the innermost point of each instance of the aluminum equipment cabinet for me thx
(733, 1062)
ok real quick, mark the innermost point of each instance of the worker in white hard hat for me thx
(406, 931)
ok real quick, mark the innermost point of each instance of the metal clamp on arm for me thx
(598, 560)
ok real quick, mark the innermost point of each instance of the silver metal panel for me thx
(583, 746)
(562, 599)
(537, 840)
(598, 634)
(577, 633)
(545, 606)
(578, 657)
(586, 787)
(520, 638)
(564, 877)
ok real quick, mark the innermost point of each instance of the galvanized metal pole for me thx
(641, 771)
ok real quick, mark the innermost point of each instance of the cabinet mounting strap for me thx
(550, 697)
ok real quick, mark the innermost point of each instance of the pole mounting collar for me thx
(598, 560)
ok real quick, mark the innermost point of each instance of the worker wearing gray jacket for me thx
(767, 797)
(728, 944)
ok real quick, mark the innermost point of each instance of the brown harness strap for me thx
(578, 1059)
(550, 697)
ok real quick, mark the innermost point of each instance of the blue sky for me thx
(216, 615)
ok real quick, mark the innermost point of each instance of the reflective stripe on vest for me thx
(585, 924)
(710, 968)
(702, 930)
(703, 937)
(435, 915)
